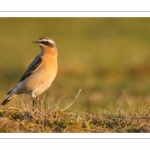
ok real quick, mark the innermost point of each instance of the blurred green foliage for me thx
(109, 58)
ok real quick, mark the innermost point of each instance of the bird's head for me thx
(46, 42)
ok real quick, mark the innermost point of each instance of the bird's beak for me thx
(35, 42)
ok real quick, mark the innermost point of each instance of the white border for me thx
(75, 14)
(74, 136)
(75, 5)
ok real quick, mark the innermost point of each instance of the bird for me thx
(40, 73)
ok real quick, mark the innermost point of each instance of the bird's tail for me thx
(6, 101)
(9, 96)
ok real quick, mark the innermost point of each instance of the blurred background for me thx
(109, 58)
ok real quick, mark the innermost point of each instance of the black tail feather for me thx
(6, 101)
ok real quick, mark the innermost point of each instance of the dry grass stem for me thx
(73, 100)
(57, 105)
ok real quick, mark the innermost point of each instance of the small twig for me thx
(146, 111)
(42, 101)
(22, 102)
(59, 102)
(73, 100)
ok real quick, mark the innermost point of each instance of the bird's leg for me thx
(33, 102)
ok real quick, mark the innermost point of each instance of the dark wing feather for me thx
(37, 61)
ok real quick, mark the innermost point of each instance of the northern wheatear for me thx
(40, 74)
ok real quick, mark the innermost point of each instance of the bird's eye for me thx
(47, 43)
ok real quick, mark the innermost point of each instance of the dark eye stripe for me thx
(45, 43)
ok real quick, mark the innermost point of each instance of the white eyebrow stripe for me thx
(50, 41)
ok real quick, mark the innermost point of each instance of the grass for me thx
(107, 57)
(47, 121)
